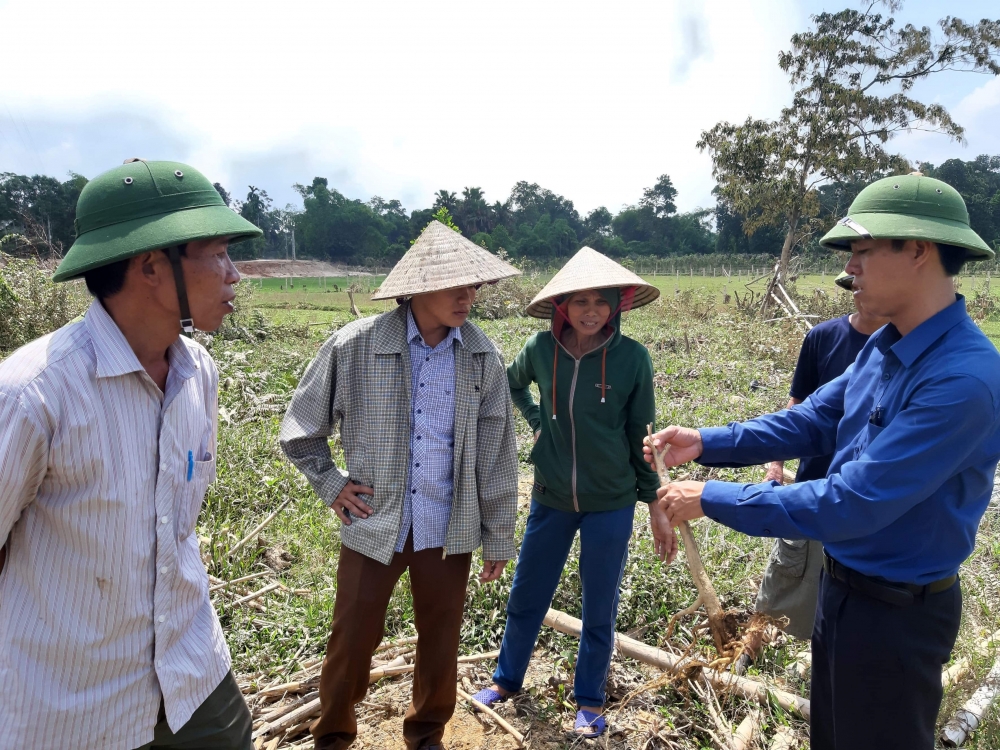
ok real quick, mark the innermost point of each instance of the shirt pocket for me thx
(200, 475)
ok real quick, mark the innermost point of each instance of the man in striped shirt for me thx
(107, 444)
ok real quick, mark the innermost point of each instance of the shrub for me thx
(31, 305)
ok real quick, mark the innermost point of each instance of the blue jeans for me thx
(604, 537)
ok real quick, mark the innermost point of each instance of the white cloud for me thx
(591, 99)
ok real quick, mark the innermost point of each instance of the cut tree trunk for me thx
(968, 718)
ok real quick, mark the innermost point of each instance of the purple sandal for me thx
(587, 720)
(488, 696)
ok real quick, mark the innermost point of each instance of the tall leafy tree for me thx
(853, 75)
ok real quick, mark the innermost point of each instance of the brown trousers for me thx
(364, 587)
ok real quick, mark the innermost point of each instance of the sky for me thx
(400, 98)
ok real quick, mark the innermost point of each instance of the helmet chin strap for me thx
(187, 323)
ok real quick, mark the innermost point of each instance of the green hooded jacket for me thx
(589, 457)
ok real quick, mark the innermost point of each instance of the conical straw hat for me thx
(589, 269)
(442, 258)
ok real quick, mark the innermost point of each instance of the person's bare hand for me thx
(664, 536)
(676, 445)
(349, 502)
(681, 501)
(775, 472)
(492, 570)
(537, 433)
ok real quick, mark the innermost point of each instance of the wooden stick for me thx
(783, 739)
(380, 673)
(290, 719)
(257, 594)
(747, 732)
(518, 737)
(226, 584)
(706, 591)
(967, 719)
(253, 534)
(396, 644)
(961, 668)
(633, 649)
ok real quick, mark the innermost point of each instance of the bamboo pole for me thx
(260, 527)
(707, 597)
(968, 718)
(633, 649)
(518, 737)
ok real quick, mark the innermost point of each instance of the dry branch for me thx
(747, 732)
(260, 527)
(396, 644)
(707, 597)
(967, 719)
(783, 739)
(226, 584)
(963, 666)
(518, 737)
(257, 594)
(633, 649)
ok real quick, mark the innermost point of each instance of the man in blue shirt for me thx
(791, 580)
(914, 426)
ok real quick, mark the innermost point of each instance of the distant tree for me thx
(40, 210)
(444, 199)
(660, 198)
(853, 74)
(598, 221)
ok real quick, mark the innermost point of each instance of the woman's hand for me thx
(664, 537)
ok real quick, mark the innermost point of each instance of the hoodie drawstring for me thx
(604, 362)
(555, 364)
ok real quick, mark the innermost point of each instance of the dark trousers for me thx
(876, 668)
(364, 587)
(222, 722)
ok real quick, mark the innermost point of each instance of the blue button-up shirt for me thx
(913, 426)
(427, 504)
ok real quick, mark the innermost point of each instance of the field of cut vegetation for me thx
(715, 361)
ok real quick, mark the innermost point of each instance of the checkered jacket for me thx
(360, 383)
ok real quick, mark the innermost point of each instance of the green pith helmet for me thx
(908, 207)
(142, 206)
(844, 281)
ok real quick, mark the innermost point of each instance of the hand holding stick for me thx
(707, 597)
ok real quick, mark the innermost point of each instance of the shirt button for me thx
(164, 569)
(418, 437)
(164, 519)
(163, 467)
(420, 411)
(418, 466)
(427, 359)
(421, 385)
(413, 492)
(886, 376)
(767, 532)
(162, 618)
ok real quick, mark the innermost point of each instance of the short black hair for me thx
(106, 281)
(952, 257)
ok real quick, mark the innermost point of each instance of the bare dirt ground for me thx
(267, 269)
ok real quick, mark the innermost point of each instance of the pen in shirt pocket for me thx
(190, 465)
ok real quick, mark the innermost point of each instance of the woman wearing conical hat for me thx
(420, 398)
(596, 390)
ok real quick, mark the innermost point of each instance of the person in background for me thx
(420, 398)
(791, 580)
(596, 387)
(914, 426)
(108, 638)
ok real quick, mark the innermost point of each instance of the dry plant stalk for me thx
(707, 597)
(518, 737)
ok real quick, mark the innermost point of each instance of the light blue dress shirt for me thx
(914, 425)
(427, 504)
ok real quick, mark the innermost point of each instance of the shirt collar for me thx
(114, 354)
(908, 348)
(413, 333)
